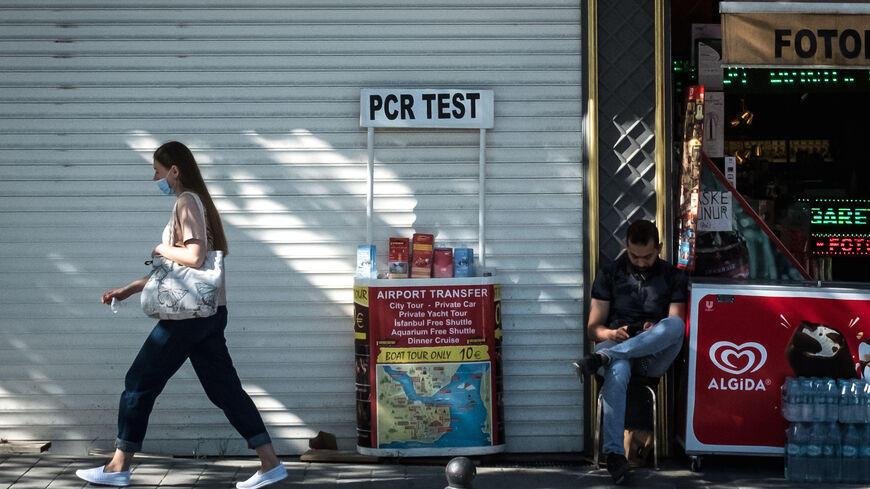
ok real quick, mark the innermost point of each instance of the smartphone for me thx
(635, 328)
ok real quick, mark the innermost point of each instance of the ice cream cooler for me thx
(744, 340)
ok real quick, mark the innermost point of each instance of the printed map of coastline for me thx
(434, 405)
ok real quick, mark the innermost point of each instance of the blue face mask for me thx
(164, 187)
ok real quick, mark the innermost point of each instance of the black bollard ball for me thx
(460, 471)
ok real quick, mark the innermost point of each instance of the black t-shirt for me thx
(634, 298)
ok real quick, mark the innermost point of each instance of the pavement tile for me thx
(221, 474)
(183, 475)
(40, 475)
(67, 479)
(13, 467)
(295, 470)
(147, 476)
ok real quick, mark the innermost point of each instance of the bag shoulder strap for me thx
(201, 212)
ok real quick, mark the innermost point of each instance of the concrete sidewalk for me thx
(535, 471)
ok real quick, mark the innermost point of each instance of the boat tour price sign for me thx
(428, 367)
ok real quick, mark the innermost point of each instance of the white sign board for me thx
(714, 124)
(709, 67)
(731, 170)
(435, 108)
(714, 211)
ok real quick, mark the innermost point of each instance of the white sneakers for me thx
(121, 479)
(97, 476)
(264, 479)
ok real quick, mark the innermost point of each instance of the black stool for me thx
(646, 384)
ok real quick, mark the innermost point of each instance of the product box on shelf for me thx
(365, 262)
(463, 262)
(398, 257)
(442, 263)
(421, 255)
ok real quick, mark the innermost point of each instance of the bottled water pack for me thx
(811, 399)
(828, 439)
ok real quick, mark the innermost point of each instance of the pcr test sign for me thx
(436, 108)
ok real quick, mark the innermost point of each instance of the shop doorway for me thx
(800, 139)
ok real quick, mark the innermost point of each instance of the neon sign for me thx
(833, 226)
(839, 211)
(840, 215)
(840, 244)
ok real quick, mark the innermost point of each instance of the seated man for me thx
(637, 319)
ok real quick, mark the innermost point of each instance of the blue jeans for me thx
(650, 354)
(166, 349)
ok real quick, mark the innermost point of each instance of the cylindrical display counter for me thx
(428, 366)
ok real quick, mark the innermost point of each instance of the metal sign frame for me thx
(370, 143)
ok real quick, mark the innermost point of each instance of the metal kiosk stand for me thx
(428, 351)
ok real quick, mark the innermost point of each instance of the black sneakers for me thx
(617, 465)
(589, 364)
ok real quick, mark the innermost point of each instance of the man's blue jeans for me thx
(166, 349)
(649, 353)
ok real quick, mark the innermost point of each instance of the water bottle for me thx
(787, 398)
(818, 399)
(864, 455)
(805, 392)
(850, 468)
(843, 409)
(832, 400)
(796, 400)
(815, 462)
(792, 450)
(831, 452)
(797, 438)
(865, 403)
(856, 390)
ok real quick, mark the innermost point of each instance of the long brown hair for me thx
(175, 153)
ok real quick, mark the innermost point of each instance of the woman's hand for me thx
(119, 294)
(124, 292)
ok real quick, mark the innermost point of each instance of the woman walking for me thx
(201, 339)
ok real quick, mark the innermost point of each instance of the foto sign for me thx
(795, 34)
(435, 108)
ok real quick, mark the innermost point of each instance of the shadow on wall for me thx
(294, 211)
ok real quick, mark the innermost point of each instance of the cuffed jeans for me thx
(650, 354)
(167, 347)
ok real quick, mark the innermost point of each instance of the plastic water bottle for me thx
(832, 400)
(796, 400)
(843, 411)
(815, 462)
(792, 450)
(865, 403)
(856, 394)
(864, 455)
(805, 393)
(797, 437)
(850, 468)
(831, 452)
(786, 390)
(819, 400)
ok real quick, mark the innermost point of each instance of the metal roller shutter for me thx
(267, 96)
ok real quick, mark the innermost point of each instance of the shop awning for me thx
(796, 34)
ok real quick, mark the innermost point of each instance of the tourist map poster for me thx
(428, 368)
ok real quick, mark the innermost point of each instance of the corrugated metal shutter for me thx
(267, 97)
